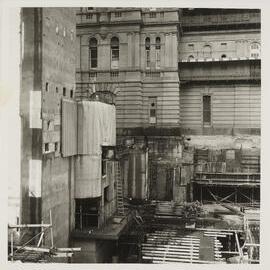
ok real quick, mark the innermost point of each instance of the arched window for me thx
(191, 57)
(255, 50)
(223, 56)
(147, 51)
(93, 53)
(158, 52)
(207, 51)
(114, 52)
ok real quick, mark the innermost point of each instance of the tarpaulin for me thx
(96, 127)
(88, 176)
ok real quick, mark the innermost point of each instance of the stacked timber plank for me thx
(169, 246)
(174, 210)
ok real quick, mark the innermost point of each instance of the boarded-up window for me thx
(207, 51)
(206, 109)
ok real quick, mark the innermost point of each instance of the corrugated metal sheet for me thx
(69, 128)
(88, 176)
(96, 127)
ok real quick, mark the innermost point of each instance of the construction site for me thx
(140, 136)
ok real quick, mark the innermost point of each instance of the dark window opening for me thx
(46, 147)
(147, 49)
(56, 89)
(223, 56)
(47, 87)
(93, 54)
(207, 110)
(64, 91)
(86, 213)
(152, 113)
(71, 93)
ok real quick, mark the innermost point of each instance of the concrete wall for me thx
(30, 110)
(58, 197)
(58, 81)
(48, 74)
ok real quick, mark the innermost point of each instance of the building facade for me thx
(176, 74)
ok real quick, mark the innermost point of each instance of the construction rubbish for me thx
(33, 249)
(183, 210)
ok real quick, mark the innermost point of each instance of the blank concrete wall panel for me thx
(56, 197)
(69, 128)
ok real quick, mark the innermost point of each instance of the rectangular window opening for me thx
(47, 87)
(71, 93)
(207, 110)
(64, 91)
(93, 57)
(46, 147)
(86, 213)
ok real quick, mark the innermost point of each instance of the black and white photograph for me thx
(137, 135)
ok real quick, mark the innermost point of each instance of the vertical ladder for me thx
(119, 190)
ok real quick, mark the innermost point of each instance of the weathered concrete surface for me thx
(58, 197)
